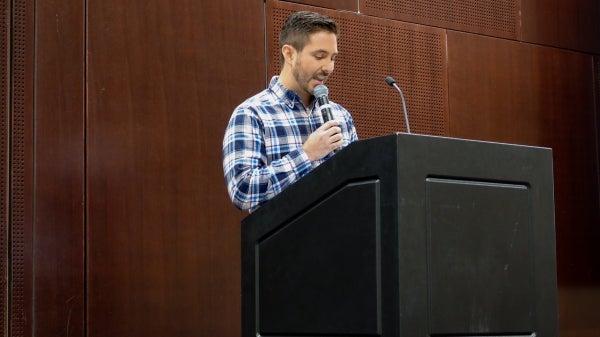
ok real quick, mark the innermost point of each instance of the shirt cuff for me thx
(302, 163)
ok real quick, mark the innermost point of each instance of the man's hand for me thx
(324, 140)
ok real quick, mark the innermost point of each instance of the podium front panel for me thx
(479, 250)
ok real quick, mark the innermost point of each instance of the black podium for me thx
(407, 235)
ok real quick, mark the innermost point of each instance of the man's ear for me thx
(289, 53)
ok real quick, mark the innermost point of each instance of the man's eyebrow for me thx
(324, 51)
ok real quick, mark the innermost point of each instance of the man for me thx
(277, 136)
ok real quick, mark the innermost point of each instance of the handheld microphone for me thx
(389, 80)
(321, 92)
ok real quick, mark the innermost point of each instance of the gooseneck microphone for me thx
(321, 94)
(389, 80)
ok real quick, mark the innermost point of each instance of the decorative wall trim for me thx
(4, 163)
(21, 127)
(370, 50)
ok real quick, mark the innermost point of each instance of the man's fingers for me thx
(334, 130)
(330, 124)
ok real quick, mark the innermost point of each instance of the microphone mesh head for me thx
(389, 80)
(320, 91)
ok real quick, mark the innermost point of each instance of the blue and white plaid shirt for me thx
(262, 146)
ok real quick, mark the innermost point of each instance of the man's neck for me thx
(289, 82)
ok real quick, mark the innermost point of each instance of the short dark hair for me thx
(300, 25)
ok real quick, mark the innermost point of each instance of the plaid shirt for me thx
(262, 146)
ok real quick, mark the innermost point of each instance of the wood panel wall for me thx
(59, 169)
(115, 220)
(163, 239)
(563, 24)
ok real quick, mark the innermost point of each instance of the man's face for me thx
(314, 63)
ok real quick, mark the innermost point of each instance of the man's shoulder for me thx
(262, 97)
(262, 102)
(338, 107)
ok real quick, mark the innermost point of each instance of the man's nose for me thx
(328, 67)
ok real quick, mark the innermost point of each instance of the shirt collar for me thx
(288, 96)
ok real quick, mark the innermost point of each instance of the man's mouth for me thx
(320, 78)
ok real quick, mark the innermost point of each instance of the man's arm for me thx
(251, 179)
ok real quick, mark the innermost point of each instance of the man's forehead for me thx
(323, 40)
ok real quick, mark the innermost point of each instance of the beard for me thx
(303, 78)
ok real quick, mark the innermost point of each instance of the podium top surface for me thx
(400, 153)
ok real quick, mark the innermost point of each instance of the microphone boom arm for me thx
(392, 82)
